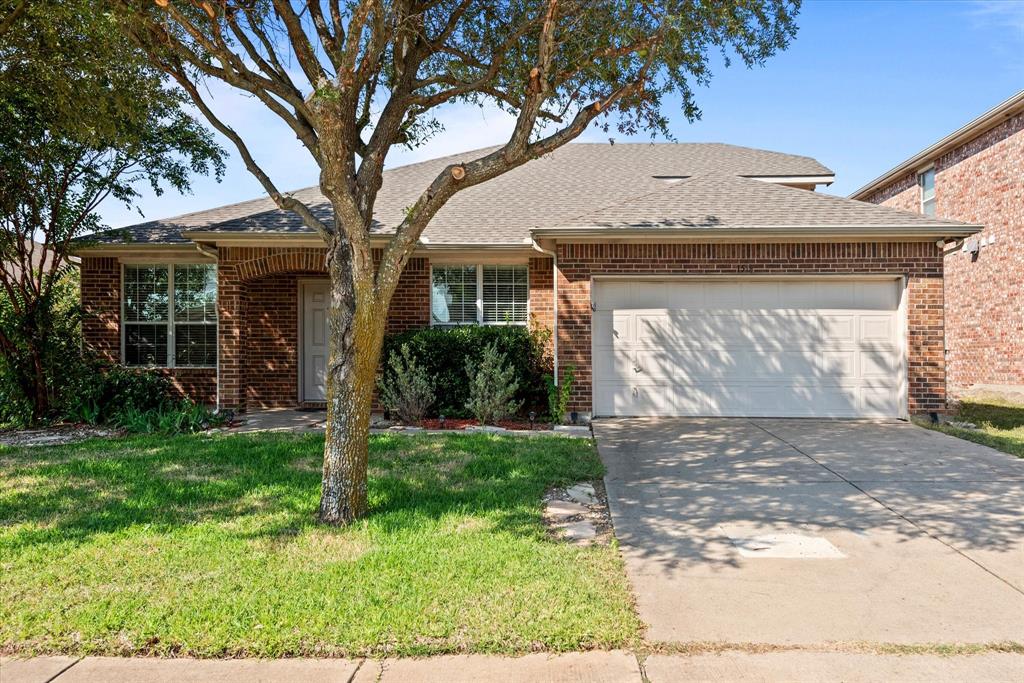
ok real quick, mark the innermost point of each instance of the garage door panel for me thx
(780, 330)
(876, 328)
(878, 401)
(615, 365)
(780, 348)
(613, 329)
(836, 365)
(880, 363)
(638, 399)
(838, 328)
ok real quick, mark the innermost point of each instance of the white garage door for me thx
(779, 348)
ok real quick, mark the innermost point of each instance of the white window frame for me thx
(920, 185)
(170, 317)
(480, 295)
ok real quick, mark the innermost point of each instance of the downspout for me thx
(554, 301)
(212, 253)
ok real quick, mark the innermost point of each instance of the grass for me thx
(1000, 425)
(206, 546)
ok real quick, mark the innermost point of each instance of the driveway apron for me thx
(816, 531)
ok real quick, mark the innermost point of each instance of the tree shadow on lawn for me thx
(267, 486)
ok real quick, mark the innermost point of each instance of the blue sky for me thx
(864, 86)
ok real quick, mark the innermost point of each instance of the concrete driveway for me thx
(807, 532)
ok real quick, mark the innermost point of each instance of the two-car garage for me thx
(798, 347)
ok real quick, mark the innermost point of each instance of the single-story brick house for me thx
(678, 279)
(974, 174)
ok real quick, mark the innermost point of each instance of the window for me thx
(170, 315)
(488, 295)
(926, 179)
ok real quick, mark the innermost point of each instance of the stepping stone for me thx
(582, 493)
(579, 531)
(562, 509)
(491, 429)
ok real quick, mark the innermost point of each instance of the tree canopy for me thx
(352, 79)
(84, 117)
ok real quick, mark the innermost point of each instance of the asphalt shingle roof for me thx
(581, 184)
(720, 200)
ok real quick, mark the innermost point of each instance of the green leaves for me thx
(84, 117)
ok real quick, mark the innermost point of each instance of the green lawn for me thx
(206, 546)
(1000, 425)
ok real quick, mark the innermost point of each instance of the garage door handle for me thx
(636, 368)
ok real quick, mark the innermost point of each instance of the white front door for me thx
(315, 296)
(747, 347)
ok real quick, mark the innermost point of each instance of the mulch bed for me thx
(457, 423)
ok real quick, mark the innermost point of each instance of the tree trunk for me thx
(356, 321)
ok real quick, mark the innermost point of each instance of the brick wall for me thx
(410, 305)
(272, 341)
(920, 262)
(101, 327)
(258, 310)
(101, 304)
(542, 305)
(980, 182)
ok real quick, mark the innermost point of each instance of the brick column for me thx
(230, 335)
(101, 303)
(926, 355)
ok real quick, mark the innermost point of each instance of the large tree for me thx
(84, 117)
(353, 78)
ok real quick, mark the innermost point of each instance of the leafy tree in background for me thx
(84, 117)
(353, 78)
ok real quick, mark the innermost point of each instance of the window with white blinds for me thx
(169, 315)
(506, 294)
(485, 295)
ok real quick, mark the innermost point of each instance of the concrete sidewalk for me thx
(598, 667)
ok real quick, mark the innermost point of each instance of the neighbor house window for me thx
(926, 179)
(485, 295)
(169, 315)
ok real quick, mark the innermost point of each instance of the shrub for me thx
(442, 354)
(99, 391)
(558, 394)
(405, 391)
(58, 351)
(492, 387)
(184, 416)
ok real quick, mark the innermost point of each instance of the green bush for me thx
(405, 391)
(178, 417)
(442, 353)
(558, 394)
(492, 387)
(99, 391)
(59, 350)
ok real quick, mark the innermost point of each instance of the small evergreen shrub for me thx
(442, 354)
(492, 387)
(98, 391)
(405, 391)
(558, 394)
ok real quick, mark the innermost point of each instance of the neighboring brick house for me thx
(975, 175)
(678, 279)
